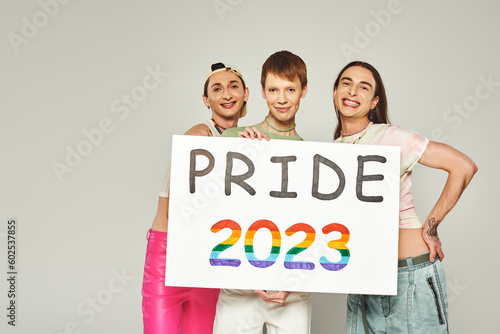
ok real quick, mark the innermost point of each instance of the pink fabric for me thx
(172, 310)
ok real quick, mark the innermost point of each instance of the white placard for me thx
(283, 215)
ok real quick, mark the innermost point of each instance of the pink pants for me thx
(172, 310)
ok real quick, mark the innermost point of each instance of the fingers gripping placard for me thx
(253, 215)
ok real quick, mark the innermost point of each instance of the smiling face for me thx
(283, 100)
(354, 95)
(226, 95)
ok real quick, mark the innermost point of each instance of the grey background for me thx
(74, 236)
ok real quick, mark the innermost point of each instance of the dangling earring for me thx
(370, 115)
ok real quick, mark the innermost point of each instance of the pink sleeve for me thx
(412, 145)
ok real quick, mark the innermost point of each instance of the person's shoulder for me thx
(388, 134)
(392, 129)
(404, 131)
(233, 132)
(297, 137)
(199, 130)
(383, 134)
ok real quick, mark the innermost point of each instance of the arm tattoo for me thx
(433, 224)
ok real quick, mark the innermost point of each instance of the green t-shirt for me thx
(233, 132)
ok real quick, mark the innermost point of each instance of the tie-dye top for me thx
(412, 147)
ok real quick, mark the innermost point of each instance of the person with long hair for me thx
(420, 305)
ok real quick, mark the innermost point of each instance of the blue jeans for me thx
(421, 305)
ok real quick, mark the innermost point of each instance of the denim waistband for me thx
(419, 261)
